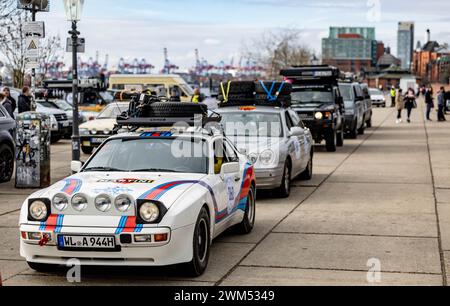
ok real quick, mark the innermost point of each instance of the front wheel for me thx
(331, 141)
(6, 163)
(284, 191)
(308, 173)
(247, 224)
(362, 130)
(340, 138)
(201, 244)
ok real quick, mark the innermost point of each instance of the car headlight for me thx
(266, 157)
(106, 131)
(123, 203)
(103, 203)
(38, 210)
(253, 158)
(84, 132)
(60, 202)
(94, 132)
(149, 212)
(53, 122)
(318, 116)
(79, 202)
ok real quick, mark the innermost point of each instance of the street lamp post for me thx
(73, 11)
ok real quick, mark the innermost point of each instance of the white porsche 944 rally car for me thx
(153, 198)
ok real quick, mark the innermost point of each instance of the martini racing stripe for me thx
(72, 186)
(128, 225)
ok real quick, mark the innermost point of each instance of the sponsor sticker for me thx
(127, 181)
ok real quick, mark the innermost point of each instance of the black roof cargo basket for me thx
(319, 73)
(147, 110)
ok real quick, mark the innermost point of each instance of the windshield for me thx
(375, 92)
(252, 124)
(151, 155)
(63, 105)
(47, 104)
(312, 94)
(112, 111)
(107, 96)
(347, 92)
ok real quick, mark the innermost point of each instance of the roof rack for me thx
(311, 73)
(149, 111)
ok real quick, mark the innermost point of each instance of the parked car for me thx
(7, 145)
(137, 203)
(378, 98)
(368, 112)
(354, 108)
(94, 133)
(318, 102)
(276, 142)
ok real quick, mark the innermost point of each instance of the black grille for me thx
(61, 117)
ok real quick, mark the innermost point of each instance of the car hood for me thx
(164, 187)
(49, 111)
(256, 144)
(99, 124)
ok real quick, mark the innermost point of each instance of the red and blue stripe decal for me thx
(157, 134)
(128, 225)
(72, 186)
(54, 223)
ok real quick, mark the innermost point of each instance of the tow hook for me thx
(45, 239)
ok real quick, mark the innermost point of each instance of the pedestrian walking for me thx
(6, 104)
(7, 93)
(441, 105)
(429, 102)
(25, 100)
(197, 97)
(410, 103)
(393, 96)
(400, 106)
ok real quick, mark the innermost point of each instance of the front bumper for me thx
(93, 141)
(269, 178)
(319, 128)
(178, 249)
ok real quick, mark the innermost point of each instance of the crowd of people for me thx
(408, 101)
(10, 104)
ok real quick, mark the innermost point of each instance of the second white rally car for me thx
(145, 198)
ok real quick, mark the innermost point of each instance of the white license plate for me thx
(97, 140)
(65, 124)
(86, 242)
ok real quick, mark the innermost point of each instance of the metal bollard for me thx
(33, 150)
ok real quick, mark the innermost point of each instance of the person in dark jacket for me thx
(6, 104)
(25, 100)
(429, 102)
(441, 105)
(7, 93)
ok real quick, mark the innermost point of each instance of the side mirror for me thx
(229, 168)
(296, 131)
(76, 166)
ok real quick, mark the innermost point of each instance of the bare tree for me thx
(276, 50)
(13, 42)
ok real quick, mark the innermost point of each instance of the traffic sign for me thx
(81, 45)
(34, 28)
(32, 47)
(31, 63)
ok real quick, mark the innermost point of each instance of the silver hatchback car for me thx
(276, 142)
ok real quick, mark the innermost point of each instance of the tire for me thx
(362, 130)
(54, 139)
(353, 134)
(286, 90)
(174, 109)
(369, 123)
(308, 173)
(6, 163)
(201, 243)
(43, 268)
(340, 139)
(87, 150)
(331, 141)
(247, 224)
(284, 191)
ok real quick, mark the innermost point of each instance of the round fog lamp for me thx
(123, 203)
(149, 212)
(60, 202)
(318, 116)
(103, 203)
(38, 210)
(79, 202)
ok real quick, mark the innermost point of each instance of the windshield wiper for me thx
(153, 170)
(103, 169)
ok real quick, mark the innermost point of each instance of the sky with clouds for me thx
(142, 28)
